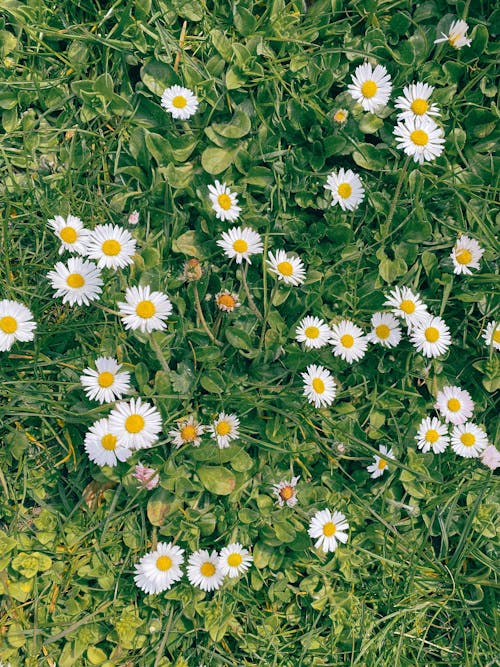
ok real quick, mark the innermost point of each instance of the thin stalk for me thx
(397, 192)
(251, 302)
(201, 317)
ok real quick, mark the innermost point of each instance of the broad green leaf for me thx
(238, 126)
(216, 160)
(217, 479)
(212, 381)
(369, 157)
(238, 338)
(158, 507)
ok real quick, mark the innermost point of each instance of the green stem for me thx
(251, 302)
(201, 317)
(386, 226)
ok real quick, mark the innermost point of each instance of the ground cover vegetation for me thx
(249, 333)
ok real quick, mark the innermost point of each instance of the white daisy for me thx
(188, 431)
(379, 466)
(158, 570)
(224, 429)
(454, 404)
(234, 560)
(432, 434)
(71, 233)
(112, 246)
(16, 323)
(79, 281)
(203, 570)
(224, 202)
(144, 309)
(102, 445)
(241, 243)
(420, 138)
(313, 332)
(492, 335)
(491, 457)
(456, 35)
(227, 301)
(371, 87)
(348, 341)
(346, 188)
(287, 268)
(106, 383)
(466, 255)
(341, 116)
(415, 102)
(386, 330)
(407, 305)
(468, 440)
(136, 424)
(180, 102)
(329, 529)
(285, 492)
(431, 337)
(319, 386)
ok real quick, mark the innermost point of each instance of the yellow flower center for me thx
(286, 492)
(207, 569)
(234, 560)
(369, 89)
(431, 334)
(468, 439)
(111, 247)
(340, 116)
(145, 309)
(381, 464)
(134, 423)
(164, 563)
(188, 433)
(311, 332)
(240, 245)
(318, 385)
(419, 137)
(382, 331)
(347, 340)
(407, 306)
(329, 529)
(419, 106)
(75, 280)
(108, 442)
(432, 435)
(454, 404)
(285, 268)
(463, 256)
(496, 336)
(105, 379)
(453, 38)
(8, 324)
(226, 300)
(344, 190)
(68, 234)
(223, 428)
(224, 201)
(179, 101)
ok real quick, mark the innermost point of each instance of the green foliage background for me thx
(82, 131)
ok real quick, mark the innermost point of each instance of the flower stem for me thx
(251, 302)
(201, 317)
(387, 224)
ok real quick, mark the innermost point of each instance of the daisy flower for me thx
(491, 457)
(133, 218)
(241, 243)
(313, 332)
(180, 102)
(112, 246)
(102, 445)
(158, 570)
(136, 424)
(348, 341)
(468, 440)
(456, 35)
(414, 103)
(79, 281)
(454, 404)
(420, 138)
(224, 202)
(285, 492)
(346, 188)
(386, 330)
(227, 301)
(341, 116)
(203, 570)
(71, 233)
(16, 323)
(407, 305)
(287, 268)
(188, 431)
(466, 255)
(148, 477)
(319, 386)
(224, 429)
(371, 87)
(378, 467)
(144, 310)
(492, 334)
(234, 560)
(431, 337)
(329, 529)
(432, 434)
(106, 383)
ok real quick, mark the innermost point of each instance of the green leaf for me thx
(238, 338)
(96, 656)
(217, 479)
(213, 382)
(369, 123)
(389, 269)
(238, 126)
(158, 507)
(188, 245)
(369, 157)
(222, 44)
(29, 564)
(157, 76)
(334, 145)
(216, 160)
